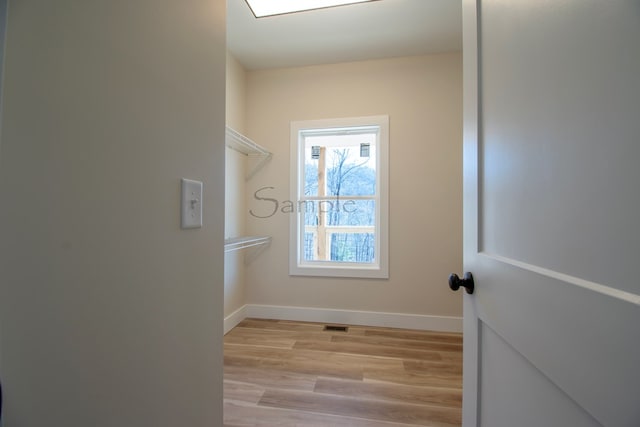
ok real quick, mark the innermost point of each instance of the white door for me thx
(552, 213)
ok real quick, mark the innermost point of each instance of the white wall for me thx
(236, 97)
(235, 207)
(110, 314)
(423, 97)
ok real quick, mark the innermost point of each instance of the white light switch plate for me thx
(191, 203)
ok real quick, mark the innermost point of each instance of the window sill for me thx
(347, 271)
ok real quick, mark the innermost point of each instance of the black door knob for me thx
(466, 282)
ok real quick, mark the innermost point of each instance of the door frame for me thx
(471, 111)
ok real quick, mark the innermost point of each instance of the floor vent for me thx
(335, 328)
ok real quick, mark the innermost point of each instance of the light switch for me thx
(191, 203)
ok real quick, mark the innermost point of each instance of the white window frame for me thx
(297, 265)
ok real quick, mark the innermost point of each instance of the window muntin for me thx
(340, 187)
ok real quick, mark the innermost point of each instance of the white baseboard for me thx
(232, 320)
(348, 317)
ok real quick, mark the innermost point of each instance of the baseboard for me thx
(232, 320)
(349, 317)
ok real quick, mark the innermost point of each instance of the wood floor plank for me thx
(416, 335)
(412, 378)
(239, 332)
(368, 349)
(270, 378)
(267, 341)
(263, 416)
(242, 393)
(425, 345)
(311, 366)
(423, 367)
(451, 398)
(303, 355)
(279, 325)
(421, 415)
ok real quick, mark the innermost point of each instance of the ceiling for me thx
(361, 31)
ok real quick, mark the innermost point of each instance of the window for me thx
(339, 181)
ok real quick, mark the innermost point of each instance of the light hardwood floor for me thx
(282, 373)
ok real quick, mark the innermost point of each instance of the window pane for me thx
(339, 246)
(345, 212)
(341, 230)
(350, 164)
(309, 246)
(310, 175)
(353, 247)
